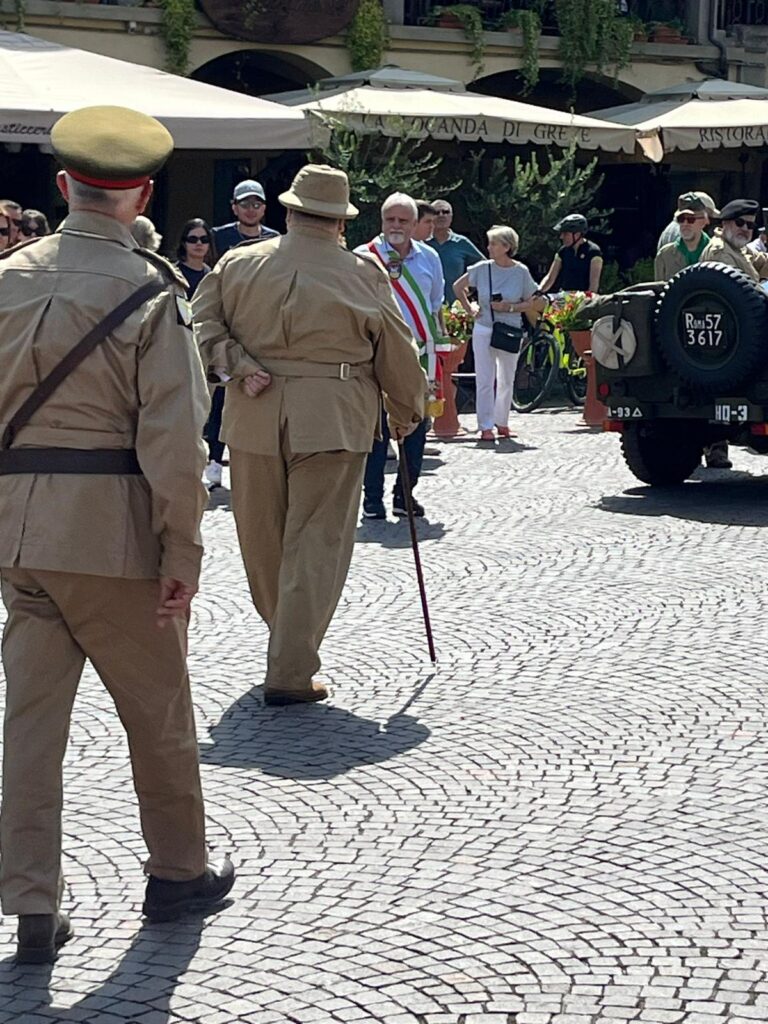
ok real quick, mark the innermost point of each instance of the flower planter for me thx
(448, 424)
(448, 21)
(669, 35)
(594, 410)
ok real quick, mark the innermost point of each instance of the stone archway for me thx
(259, 72)
(592, 93)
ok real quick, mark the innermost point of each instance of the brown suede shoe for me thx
(281, 698)
(39, 937)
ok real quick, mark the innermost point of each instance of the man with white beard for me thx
(738, 220)
(416, 275)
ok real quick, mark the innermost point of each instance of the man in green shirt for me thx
(456, 252)
(687, 250)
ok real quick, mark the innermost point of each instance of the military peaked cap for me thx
(111, 147)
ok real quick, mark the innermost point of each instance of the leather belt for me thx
(304, 368)
(103, 461)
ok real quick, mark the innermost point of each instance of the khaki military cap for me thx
(111, 147)
(321, 190)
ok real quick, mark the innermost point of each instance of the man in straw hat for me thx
(306, 335)
(99, 538)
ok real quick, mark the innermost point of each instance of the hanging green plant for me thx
(367, 36)
(177, 26)
(591, 33)
(529, 23)
(20, 6)
(470, 20)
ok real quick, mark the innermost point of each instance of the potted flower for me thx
(669, 32)
(458, 327)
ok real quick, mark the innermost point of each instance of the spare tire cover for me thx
(613, 347)
(712, 326)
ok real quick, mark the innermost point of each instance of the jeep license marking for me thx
(703, 330)
(625, 412)
(727, 413)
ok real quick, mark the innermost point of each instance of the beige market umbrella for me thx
(40, 81)
(696, 115)
(466, 116)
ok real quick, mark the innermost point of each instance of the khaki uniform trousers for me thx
(296, 516)
(55, 621)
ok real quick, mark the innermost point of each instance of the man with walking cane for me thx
(306, 337)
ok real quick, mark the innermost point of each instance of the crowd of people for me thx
(498, 289)
(323, 354)
(429, 265)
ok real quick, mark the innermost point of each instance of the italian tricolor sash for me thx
(406, 288)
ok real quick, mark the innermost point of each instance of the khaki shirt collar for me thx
(316, 232)
(86, 222)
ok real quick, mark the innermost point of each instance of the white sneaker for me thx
(212, 475)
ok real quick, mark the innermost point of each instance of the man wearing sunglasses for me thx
(249, 206)
(738, 222)
(13, 211)
(691, 220)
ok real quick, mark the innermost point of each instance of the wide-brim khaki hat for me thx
(320, 190)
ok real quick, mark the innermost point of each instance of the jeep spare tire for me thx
(712, 326)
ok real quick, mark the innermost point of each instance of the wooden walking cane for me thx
(405, 479)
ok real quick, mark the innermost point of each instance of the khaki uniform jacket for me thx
(142, 388)
(304, 297)
(669, 260)
(721, 251)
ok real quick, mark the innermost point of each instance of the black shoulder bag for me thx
(505, 337)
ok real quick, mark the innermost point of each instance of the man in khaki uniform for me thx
(306, 335)
(100, 505)
(739, 218)
(691, 218)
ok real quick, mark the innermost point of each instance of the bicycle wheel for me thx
(576, 378)
(536, 370)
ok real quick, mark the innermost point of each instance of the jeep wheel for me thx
(660, 453)
(711, 324)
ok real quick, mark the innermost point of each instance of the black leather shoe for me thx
(40, 936)
(165, 901)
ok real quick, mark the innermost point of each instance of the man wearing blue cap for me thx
(249, 205)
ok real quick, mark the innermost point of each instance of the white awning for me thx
(40, 81)
(705, 115)
(467, 116)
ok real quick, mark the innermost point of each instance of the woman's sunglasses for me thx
(203, 239)
(31, 231)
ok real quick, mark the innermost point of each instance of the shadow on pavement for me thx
(396, 534)
(726, 498)
(311, 741)
(147, 976)
(221, 497)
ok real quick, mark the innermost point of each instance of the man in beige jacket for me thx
(739, 218)
(100, 505)
(306, 335)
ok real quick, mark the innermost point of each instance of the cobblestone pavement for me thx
(564, 823)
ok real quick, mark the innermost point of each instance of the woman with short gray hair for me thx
(504, 289)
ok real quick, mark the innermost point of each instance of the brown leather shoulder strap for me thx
(75, 356)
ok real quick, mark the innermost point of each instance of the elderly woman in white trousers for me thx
(503, 285)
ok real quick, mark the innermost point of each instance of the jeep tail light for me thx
(614, 426)
(603, 389)
(761, 429)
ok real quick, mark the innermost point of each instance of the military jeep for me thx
(681, 365)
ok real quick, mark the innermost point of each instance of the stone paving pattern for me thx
(563, 823)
